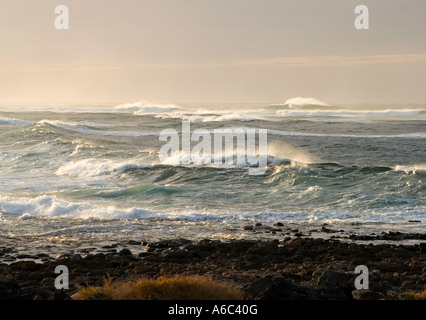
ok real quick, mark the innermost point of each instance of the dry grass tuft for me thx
(163, 288)
(415, 296)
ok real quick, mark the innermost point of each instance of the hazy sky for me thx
(212, 51)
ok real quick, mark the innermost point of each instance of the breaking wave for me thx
(92, 128)
(146, 108)
(299, 102)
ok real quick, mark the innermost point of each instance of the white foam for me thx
(410, 168)
(47, 206)
(98, 167)
(299, 102)
(146, 108)
(51, 206)
(340, 112)
(341, 120)
(295, 109)
(212, 160)
(234, 116)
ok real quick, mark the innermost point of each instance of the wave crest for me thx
(300, 102)
(146, 108)
(94, 167)
(13, 122)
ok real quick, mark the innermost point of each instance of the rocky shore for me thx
(289, 268)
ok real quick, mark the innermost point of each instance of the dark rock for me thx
(9, 258)
(362, 294)
(177, 254)
(327, 230)
(5, 250)
(27, 266)
(9, 287)
(275, 288)
(173, 243)
(248, 228)
(411, 286)
(335, 285)
(146, 254)
(279, 224)
(298, 268)
(87, 250)
(97, 256)
(25, 256)
(134, 243)
(110, 246)
(110, 250)
(125, 252)
(262, 249)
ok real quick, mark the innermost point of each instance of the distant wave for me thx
(208, 117)
(418, 135)
(310, 109)
(299, 102)
(340, 112)
(15, 122)
(86, 128)
(339, 120)
(265, 114)
(146, 108)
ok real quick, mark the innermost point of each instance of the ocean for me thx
(74, 176)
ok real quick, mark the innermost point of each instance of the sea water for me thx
(76, 174)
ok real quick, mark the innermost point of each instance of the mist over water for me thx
(94, 172)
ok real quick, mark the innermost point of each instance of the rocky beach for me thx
(296, 267)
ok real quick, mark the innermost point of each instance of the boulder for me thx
(275, 288)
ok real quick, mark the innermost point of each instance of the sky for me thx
(177, 51)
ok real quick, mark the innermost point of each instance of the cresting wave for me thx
(264, 114)
(411, 168)
(98, 167)
(93, 167)
(13, 122)
(209, 116)
(346, 112)
(92, 128)
(145, 108)
(300, 102)
(309, 109)
(325, 163)
(51, 206)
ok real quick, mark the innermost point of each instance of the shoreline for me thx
(301, 268)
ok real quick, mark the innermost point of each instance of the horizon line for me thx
(304, 61)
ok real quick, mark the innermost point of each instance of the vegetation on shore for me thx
(415, 296)
(163, 288)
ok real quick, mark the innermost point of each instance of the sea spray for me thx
(224, 150)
